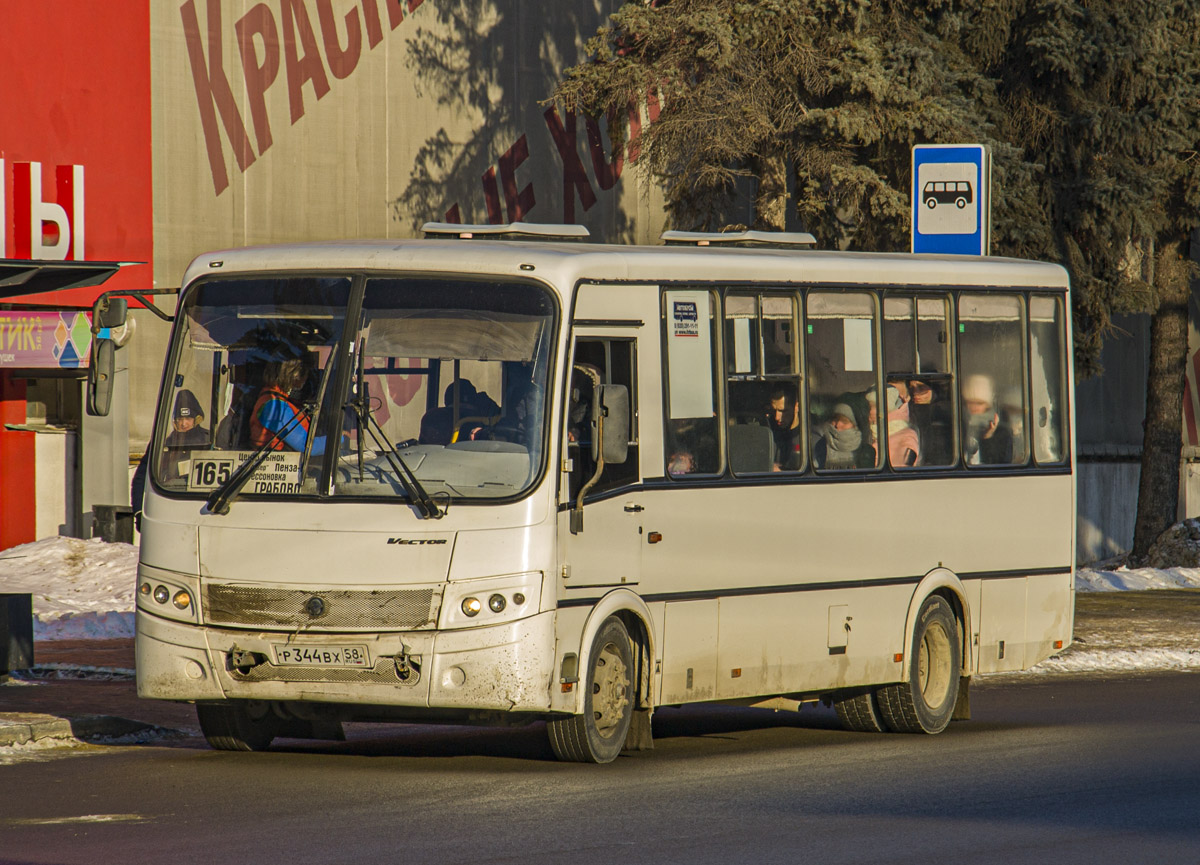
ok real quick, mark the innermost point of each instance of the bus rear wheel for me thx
(598, 734)
(246, 725)
(925, 703)
(860, 713)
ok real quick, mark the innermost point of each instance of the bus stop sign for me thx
(951, 201)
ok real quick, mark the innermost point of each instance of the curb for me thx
(22, 728)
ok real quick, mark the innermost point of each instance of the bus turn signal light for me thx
(898, 657)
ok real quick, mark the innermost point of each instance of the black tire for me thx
(598, 735)
(860, 713)
(931, 203)
(247, 725)
(925, 703)
(960, 203)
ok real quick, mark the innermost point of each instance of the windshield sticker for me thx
(277, 474)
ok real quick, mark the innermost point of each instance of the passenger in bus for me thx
(846, 441)
(691, 446)
(186, 435)
(186, 420)
(904, 448)
(783, 418)
(278, 414)
(986, 439)
(929, 413)
(476, 410)
(680, 462)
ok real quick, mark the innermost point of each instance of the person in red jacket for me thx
(278, 414)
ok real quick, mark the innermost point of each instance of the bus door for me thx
(601, 542)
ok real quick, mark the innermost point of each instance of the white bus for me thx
(510, 478)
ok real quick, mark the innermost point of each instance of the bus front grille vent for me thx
(333, 610)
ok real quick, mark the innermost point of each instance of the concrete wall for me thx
(1107, 505)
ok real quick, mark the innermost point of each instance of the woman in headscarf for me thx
(846, 441)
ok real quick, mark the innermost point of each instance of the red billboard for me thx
(75, 169)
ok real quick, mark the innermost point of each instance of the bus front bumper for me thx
(506, 667)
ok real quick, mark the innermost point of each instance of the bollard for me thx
(16, 632)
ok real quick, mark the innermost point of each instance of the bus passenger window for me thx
(916, 362)
(1048, 376)
(992, 376)
(842, 370)
(692, 436)
(764, 432)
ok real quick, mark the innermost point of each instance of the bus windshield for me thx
(436, 392)
(448, 387)
(253, 357)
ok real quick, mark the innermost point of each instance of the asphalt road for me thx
(1062, 769)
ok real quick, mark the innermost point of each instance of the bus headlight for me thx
(508, 598)
(168, 594)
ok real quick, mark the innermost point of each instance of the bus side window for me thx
(763, 399)
(842, 372)
(692, 435)
(991, 347)
(1048, 376)
(920, 410)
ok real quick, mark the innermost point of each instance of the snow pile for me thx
(1123, 579)
(81, 589)
(1105, 660)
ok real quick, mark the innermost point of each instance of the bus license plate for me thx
(322, 656)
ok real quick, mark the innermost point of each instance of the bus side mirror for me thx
(100, 377)
(111, 313)
(612, 404)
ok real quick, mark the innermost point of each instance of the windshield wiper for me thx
(218, 500)
(365, 422)
(412, 487)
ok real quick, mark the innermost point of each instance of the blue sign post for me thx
(951, 199)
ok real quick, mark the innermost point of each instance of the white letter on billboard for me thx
(41, 212)
(77, 214)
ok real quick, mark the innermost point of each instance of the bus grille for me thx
(339, 610)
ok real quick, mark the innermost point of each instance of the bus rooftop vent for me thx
(741, 238)
(511, 230)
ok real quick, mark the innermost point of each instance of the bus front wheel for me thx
(925, 703)
(245, 725)
(598, 734)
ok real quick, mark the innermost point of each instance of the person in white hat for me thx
(986, 441)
